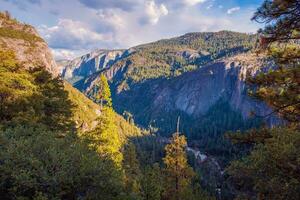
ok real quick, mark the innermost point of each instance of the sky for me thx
(75, 27)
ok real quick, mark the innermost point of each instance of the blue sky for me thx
(75, 27)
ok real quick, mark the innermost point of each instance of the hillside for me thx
(85, 113)
(190, 76)
(30, 51)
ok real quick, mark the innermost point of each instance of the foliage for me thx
(85, 111)
(37, 162)
(280, 88)
(32, 96)
(103, 94)
(152, 183)
(133, 174)
(178, 173)
(272, 168)
(105, 138)
(43, 158)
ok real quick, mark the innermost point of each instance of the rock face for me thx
(92, 62)
(29, 47)
(194, 93)
(187, 76)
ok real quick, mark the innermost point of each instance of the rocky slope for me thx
(29, 47)
(90, 63)
(192, 76)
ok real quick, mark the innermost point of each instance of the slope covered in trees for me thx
(58, 144)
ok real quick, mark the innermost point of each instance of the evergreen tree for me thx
(280, 88)
(178, 173)
(132, 172)
(271, 170)
(152, 183)
(105, 138)
(104, 95)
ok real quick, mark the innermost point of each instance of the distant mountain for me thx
(199, 76)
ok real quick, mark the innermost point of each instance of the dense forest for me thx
(55, 143)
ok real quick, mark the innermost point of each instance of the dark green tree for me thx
(152, 183)
(133, 173)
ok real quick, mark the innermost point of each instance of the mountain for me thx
(30, 49)
(199, 76)
(90, 63)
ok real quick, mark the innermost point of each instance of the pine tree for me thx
(104, 95)
(152, 183)
(280, 88)
(271, 170)
(105, 138)
(178, 173)
(132, 170)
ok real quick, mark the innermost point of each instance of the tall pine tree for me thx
(105, 138)
(178, 173)
(103, 95)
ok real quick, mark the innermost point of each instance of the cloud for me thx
(126, 5)
(154, 12)
(179, 4)
(69, 34)
(192, 2)
(232, 10)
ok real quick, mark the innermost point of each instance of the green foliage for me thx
(36, 162)
(32, 96)
(103, 93)
(272, 168)
(105, 138)
(152, 183)
(43, 159)
(280, 88)
(133, 174)
(84, 110)
(271, 171)
(177, 172)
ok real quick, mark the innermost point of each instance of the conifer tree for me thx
(178, 173)
(271, 170)
(105, 138)
(152, 183)
(104, 95)
(280, 88)
(132, 170)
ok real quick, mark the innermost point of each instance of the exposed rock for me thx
(29, 47)
(93, 62)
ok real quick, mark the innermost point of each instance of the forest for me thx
(54, 146)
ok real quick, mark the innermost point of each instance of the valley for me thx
(208, 115)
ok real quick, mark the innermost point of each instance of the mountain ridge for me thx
(142, 80)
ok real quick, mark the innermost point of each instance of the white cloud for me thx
(193, 2)
(232, 10)
(154, 12)
(70, 34)
(76, 28)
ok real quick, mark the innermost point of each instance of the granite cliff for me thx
(24, 40)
